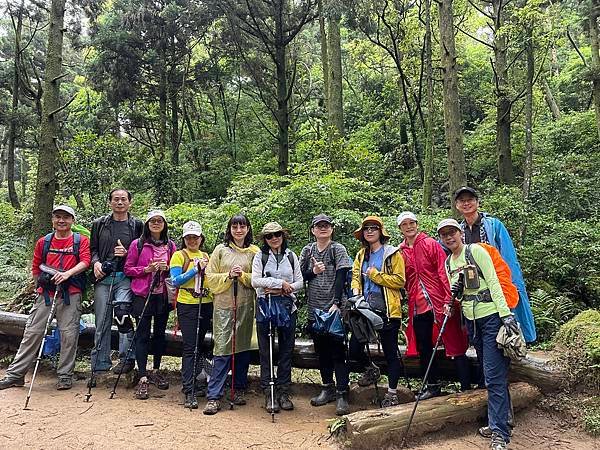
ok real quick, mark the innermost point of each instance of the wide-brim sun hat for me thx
(376, 220)
(271, 227)
(156, 213)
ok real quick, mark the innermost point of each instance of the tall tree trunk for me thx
(3, 156)
(503, 102)
(528, 166)
(595, 44)
(428, 164)
(46, 183)
(12, 127)
(554, 109)
(283, 118)
(336, 112)
(324, 55)
(457, 172)
(174, 127)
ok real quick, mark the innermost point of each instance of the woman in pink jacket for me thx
(147, 265)
(428, 291)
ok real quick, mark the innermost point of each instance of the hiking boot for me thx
(285, 402)
(497, 442)
(123, 367)
(64, 383)
(271, 406)
(390, 399)
(141, 391)
(212, 407)
(327, 395)
(190, 401)
(486, 431)
(369, 376)
(341, 406)
(433, 390)
(239, 397)
(158, 380)
(7, 382)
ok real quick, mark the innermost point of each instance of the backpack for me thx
(511, 294)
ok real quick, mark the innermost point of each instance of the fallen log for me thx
(380, 428)
(536, 368)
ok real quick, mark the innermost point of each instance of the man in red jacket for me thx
(428, 291)
(59, 260)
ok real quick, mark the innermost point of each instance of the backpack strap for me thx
(265, 257)
(76, 245)
(46, 248)
(470, 260)
(140, 245)
(290, 256)
(447, 264)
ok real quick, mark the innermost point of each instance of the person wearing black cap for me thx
(324, 265)
(482, 227)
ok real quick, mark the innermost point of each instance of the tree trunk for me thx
(324, 55)
(283, 119)
(174, 128)
(528, 166)
(457, 172)
(46, 182)
(595, 45)
(12, 127)
(382, 428)
(428, 163)
(503, 102)
(334, 49)
(3, 156)
(554, 109)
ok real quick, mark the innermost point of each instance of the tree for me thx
(429, 138)
(594, 13)
(334, 53)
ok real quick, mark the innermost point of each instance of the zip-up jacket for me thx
(102, 242)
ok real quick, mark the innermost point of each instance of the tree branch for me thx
(60, 108)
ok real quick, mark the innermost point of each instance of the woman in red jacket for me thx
(428, 291)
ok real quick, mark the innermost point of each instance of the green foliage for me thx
(550, 311)
(591, 417)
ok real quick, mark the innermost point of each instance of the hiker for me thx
(111, 236)
(276, 276)
(482, 227)
(378, 275)
(485, 310)
(325, 264)
(428, 291)
(147, 265)
(231, 262)
(187, 266)
(59, 261)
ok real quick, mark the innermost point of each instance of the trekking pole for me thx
(424, 382)
(235, 294)
(197, 333)
(39, 356)
(272, 381)
(403, 368)
(97, 347)
(155, 279)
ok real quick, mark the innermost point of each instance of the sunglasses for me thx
(270, 236)
(371, 228)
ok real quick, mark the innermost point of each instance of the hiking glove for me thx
(457, 288)
(510, 324)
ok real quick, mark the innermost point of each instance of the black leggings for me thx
(423, 326)
(143, 343)
(188, 322)
(332, 358)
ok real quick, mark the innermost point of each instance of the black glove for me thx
(458, 288)
(510, 325)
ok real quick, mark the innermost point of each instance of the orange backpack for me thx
(511, 294)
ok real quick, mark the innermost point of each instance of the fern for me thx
(550, 312)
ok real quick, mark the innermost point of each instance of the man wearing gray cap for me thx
(59, 260)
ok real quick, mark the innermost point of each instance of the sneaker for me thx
(7, 382)
(370, 376)
(64, 383)
(190, 401)
(390, 399)
(141, 391)
(158, 380)
(239, 397)
(123, 367)
(341, 406)
(285, 402)
(486, 431)
(212, 407)
(497, 442)
(433, 390)
(327, 395)
(271, 406)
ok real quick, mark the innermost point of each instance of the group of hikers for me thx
(245, 295)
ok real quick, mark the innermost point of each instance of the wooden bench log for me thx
(380, 428)
(536, 369)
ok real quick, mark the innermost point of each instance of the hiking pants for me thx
(221, 366)
(332, 358)
(482, 333)
(423, 326)
(144, 345)
(67, 318)
(187, 315)
(121, 293)
(286, 336)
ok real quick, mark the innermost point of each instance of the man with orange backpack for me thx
(480, 227)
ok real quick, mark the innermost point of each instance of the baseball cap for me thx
(448, 223)
(464, 189)
(65, 208)
(321, 218)
(406, 215)
(192, 228)
(156, 213)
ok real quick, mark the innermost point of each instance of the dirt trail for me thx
(61, 419)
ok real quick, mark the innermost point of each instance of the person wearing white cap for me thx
(59, 260)
(485, 311)
(147, 264)
(428, 291)
(187, 273)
